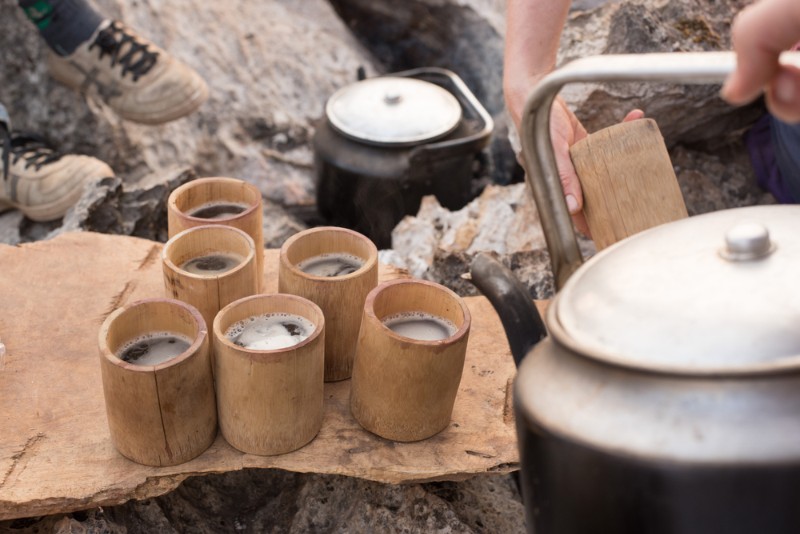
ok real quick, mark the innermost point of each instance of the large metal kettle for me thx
(666, 396)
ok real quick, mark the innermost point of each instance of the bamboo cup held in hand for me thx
(207, 192)
(628, 181)
(210, 291)
(161, 414)
(269, 401)
(404, 389)
(340, 297)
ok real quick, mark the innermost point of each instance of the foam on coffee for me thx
(212, 264)
(270, 331)
(153, 348)
(420, 325)
(218, 210)
(330, 265)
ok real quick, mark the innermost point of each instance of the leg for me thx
(64, 24)
(786, 143)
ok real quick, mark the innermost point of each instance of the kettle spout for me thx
(521, 320)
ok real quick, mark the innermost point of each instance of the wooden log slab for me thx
(56, 453)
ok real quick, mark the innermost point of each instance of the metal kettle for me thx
(666, 395)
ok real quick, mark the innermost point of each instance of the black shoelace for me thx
(32, 148)
(125, 50)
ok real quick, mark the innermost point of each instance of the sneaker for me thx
(40, 182)
(137, 79)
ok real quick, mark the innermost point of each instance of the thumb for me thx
(783, 95)
(633, 115)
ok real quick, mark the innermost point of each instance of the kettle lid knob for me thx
(747, 241)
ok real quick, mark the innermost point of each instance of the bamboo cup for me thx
(404, 389)
(341, 297)
(209, 292)
(203, 191)
(269, 401)
(628, 182)
(163, 414)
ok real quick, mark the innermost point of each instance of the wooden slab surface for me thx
(55, 451)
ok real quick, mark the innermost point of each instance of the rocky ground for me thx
(270, 67)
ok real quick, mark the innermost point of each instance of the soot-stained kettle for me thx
(666, 395)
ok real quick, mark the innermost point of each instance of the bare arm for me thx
(533, 33)
(760, 33)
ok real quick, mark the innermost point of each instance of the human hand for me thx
(760, 33)
(565, 131)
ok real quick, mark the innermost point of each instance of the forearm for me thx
(533, 32)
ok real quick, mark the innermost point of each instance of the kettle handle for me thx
(541, 173)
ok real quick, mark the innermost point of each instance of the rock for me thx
(268, 77)
(685, 113)
(112, 207)
(438, 244)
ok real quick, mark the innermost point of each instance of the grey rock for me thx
(270, 68)
(685, 113)
(140, 209)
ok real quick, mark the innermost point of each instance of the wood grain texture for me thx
(341, 298)
(163, 414)
(404, 389)
(628, 182)
(209, 293)
(56, 453)
(201, 191)
(270, 401)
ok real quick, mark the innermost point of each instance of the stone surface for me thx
(685, 114)
(270, 67)
(279, 501)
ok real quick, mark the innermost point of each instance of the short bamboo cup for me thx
(208, 192)
(404, 389)
(269, 401)
(163, 414)
(340, 297)
(209, 291)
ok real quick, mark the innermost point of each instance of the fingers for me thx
(634, 114)
(760, 33)
(783, 95)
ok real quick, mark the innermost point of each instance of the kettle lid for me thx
(712, 294)
(393, 110)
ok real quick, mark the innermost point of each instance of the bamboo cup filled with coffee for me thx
(409, 359)
(335, 268)
(219, 201)
(269, 368)
(209, 267)
(157, 382)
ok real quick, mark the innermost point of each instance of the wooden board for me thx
(55, 451)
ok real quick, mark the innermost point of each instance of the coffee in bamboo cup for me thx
(209, 267)
(335, 268)
(409, 359)
(269, 365)
(157, 383)
(221, 201)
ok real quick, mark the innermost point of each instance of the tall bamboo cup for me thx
(404, 389)
(269, 401)
(163, 414)
(209, 292)
(201, 191)
(341, 298)
(628, 182)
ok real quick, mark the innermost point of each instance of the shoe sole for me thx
(190, 105)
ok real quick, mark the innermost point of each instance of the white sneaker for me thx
(38, 181)
(138, 80)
